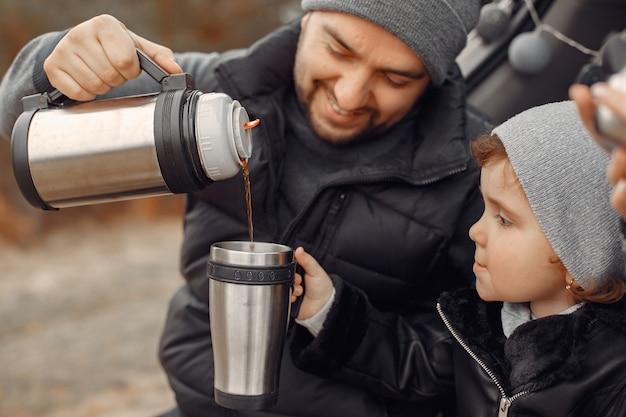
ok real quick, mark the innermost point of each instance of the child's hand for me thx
(319, 286)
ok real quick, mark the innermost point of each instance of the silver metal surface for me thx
(248, 326)
(96, 152)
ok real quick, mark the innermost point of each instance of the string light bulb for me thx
(493, 22)
(529, 53)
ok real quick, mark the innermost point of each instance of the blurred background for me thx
(84, 291)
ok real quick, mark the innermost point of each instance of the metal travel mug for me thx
(250, 286)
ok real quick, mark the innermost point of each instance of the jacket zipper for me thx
(505, 400)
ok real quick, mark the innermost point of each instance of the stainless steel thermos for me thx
(249, 306)
(176, 141)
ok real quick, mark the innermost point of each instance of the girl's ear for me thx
(571, 285)
(569, 281)
(573, 288)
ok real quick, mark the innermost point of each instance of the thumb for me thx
(308, 263)
(161, 55)
(318, 285)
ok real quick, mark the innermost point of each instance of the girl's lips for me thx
(477, 267)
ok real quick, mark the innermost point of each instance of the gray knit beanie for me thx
(563, 173)
(435, 29)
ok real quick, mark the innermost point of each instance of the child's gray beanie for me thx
(563, 173)
(436, 30)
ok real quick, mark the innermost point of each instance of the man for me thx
(361, 157)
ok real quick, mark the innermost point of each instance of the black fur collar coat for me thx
(562, 365)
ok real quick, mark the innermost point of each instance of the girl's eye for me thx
(503, 221)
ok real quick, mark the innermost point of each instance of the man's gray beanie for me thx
(563, 173)
(436, 30)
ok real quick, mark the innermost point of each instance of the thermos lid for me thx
(221, 136)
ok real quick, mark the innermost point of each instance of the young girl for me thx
(543, 333)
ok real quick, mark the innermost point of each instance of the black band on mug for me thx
(257, 275)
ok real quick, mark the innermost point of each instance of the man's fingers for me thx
(100, 54)
(613, 98)
(161, 55)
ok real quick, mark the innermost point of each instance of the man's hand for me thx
(98, 55)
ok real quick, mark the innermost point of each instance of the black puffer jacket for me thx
(398, 224)
(396, 221)
(563, 365)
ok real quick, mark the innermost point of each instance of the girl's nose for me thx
(477, 233)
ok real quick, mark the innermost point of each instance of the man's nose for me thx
(353, 91)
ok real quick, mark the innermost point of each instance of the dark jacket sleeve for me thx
(383, 354)
(24, 77)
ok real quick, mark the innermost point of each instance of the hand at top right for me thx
(587, 104)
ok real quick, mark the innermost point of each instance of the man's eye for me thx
(335, 52)
(395, 81)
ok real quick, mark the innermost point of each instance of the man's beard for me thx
(370, 132)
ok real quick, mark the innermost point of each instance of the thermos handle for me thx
(168, 82)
